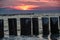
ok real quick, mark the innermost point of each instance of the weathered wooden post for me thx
(45, 26)
(25, 26)
(1, 28)
(12, 22)
(54, 25)
(35, 26)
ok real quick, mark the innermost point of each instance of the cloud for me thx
(39, 3)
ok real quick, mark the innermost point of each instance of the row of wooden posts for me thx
(26, 26)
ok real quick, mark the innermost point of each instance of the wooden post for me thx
(1, 28)
(12, 22)
(45, 26)
(54, 25)
(25, 26)
(35, 26)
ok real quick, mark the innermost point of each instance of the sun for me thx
(22, 7)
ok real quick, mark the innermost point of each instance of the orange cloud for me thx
(44, 0)
(29, 4)
(23, 7)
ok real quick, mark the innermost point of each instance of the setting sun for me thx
(23, 7)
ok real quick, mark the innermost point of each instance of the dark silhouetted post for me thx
(1, 28)
(35, 26)
(12, 26)
(45, 26)
(54, 25)
(25, 26)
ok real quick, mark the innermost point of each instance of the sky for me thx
(30, 4)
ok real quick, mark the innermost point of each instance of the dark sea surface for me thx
(13, 11)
